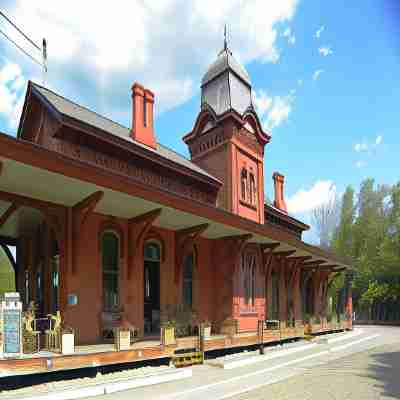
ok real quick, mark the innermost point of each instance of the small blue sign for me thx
(12, 331)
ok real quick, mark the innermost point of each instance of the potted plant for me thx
(168, 332)
(308, 320)
(67, 340)
(206, 329)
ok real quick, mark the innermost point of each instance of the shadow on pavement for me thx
(385, 369)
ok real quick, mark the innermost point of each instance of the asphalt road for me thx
(363, 365)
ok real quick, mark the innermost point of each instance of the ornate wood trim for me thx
(314, 263)
(8, 213)
(285, 253)
(185, 240)
(138, 227)
(86, 206)
(301, 258)
(269, 246)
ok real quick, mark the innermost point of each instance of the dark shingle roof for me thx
(73, 110)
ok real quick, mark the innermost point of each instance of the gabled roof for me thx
(70, 109)
(268, 208)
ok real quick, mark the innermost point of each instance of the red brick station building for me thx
(107, 221)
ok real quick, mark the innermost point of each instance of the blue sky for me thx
(323, 74)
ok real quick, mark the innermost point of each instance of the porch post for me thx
(297, 297)
(349, 298)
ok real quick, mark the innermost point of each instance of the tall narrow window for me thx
(249, 278)
(243, 183)
(110, 258)
(55, 271)
(188, 269)
(275, 295)
(252, 189)
(144, 111)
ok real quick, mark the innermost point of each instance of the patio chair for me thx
(53, 334)
(30, 337)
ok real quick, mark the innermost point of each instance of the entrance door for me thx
(152, 288)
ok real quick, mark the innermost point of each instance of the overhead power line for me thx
(42, 49)
(21, 49)
(20, 31)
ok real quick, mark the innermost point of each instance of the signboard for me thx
(11, 321)
(12, 331)
(1, 330)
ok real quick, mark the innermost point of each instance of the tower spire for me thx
(225, 39)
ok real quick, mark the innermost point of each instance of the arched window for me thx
(152, 251)
(55, 276)
(188, 270)
(252, 189)
(243, 183)
(110, 263)
(249, 277)
(152, 254)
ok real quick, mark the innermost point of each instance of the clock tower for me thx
(227, 139)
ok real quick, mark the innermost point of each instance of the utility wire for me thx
(21, 49)
(19, 30)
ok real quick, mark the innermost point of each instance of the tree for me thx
(325, 218)
(343, 237)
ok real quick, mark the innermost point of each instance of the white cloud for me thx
(166, 45)
(11, 95)
(361, 164)
(317, 73)
(306, 200)
(364, 146)
(9, 72)
(300, 82)
(279, 112)
(273, 110)
(291, 38)
(319, 31)
(262, 102)
(325, 51)
(361, 147)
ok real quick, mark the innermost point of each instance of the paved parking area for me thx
(372, 374)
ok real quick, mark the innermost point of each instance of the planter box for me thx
(67, 343)
(229, 327)
(122, 339)
(206, 332)
(168, 336)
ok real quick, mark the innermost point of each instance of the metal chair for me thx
(53, 335)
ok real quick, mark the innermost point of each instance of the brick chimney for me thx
(142, 116)
(279, 201)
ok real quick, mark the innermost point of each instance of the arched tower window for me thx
(110, 264)
(243, 183)
(188, 271)
(252, 189)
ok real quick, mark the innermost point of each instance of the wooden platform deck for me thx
(106, 354)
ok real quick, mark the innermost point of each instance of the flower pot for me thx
(206, 331)
(67, 343)
(123, 339)
(168, 336)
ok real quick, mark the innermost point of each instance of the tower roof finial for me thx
(225, 39)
